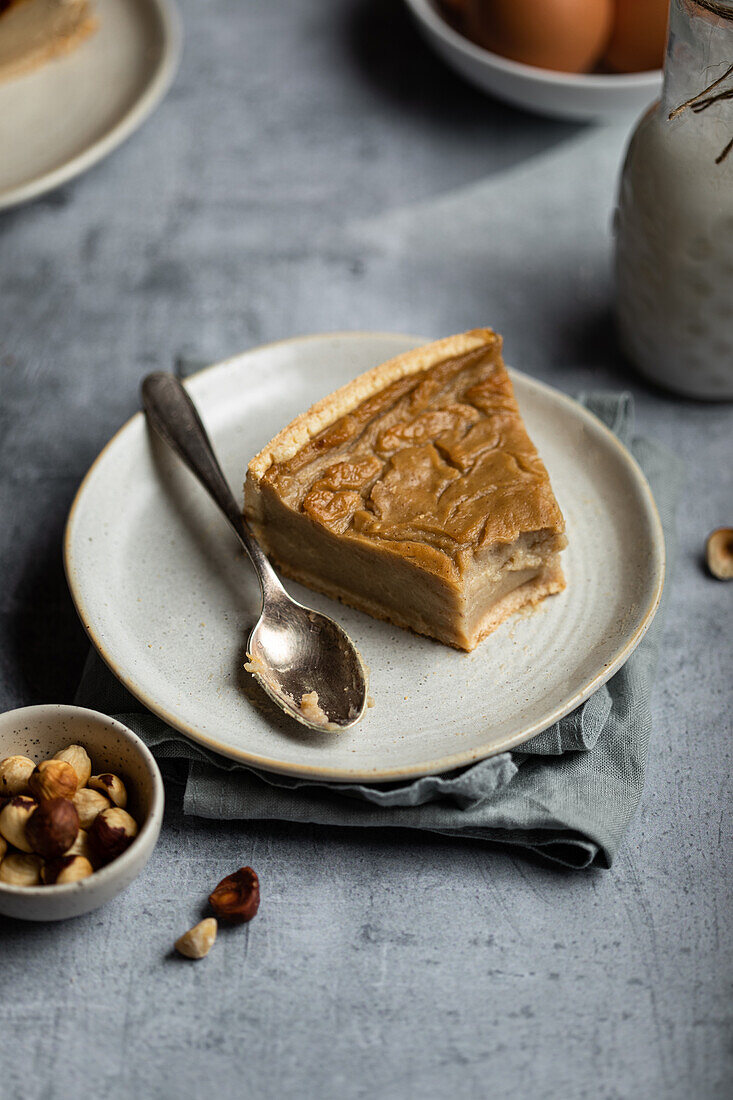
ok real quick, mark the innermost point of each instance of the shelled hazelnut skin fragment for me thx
(13, 820)
(21, 869)
(53, 779)
(719, 553)
(237, 897)
(88, 805)
(111, 786)
(65, 869)
(15, 771)
(81, 846)
(198, 941)
(53, 827)
(112, 832)
(78, 757)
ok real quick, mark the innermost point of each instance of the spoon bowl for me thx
(304, 661)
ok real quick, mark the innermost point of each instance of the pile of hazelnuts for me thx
(58, 822)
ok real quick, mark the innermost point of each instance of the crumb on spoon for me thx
(309, 705)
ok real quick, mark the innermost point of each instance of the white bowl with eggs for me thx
(582, 97)
(39, 733)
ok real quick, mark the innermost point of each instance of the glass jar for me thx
(674, 222)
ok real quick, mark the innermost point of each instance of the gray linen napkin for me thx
(568, 796)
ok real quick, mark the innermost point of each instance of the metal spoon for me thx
(293, 651)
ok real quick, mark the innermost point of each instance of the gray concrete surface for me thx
(314, 168)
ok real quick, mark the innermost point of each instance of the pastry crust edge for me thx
(344, 400)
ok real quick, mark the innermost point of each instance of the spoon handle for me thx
(173, 415)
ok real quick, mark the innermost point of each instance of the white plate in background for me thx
(167, 597)
(60, 118)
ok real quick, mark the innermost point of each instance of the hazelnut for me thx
(88, 805)
(15, 771)
(13, 820)
(81, 846)
(199, 940)
(237, 897)
(719, 553)
(53, 828)
(53, 779)
(111, 786)
(112, 831)
(66, 869)
(78, 757)
(19, 869)
(3, 847)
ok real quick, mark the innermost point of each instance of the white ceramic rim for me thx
(385, 775)
(152, 821)
(144, 106)
(427, 13)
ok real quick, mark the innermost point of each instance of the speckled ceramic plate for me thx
(168, 598)
(62, 117)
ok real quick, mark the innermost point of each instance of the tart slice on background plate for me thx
(414, 493)
(34, 31)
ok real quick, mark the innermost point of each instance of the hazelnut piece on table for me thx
(112, 832)
(111, 786)
(53, 828)
(53, 779)
(15, 771)
(57, 872)
(237, 897)
(88, 805)
(13, 820)
(198, 941)
(78, 757)
(719, 553)
(20, 869)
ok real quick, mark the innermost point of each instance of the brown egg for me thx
(565, 35)
(638, 36)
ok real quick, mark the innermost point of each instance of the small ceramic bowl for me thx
(39, 732)
(576, 96)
